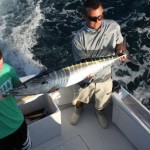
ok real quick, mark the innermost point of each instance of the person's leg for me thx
(22, 138)
(78, 109)
(84, 95)
(102, 96)
(6, 143)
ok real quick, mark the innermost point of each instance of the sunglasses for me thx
(94, 19)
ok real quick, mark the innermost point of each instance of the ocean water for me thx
(37, 34)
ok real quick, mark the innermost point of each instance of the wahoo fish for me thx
(44, 81)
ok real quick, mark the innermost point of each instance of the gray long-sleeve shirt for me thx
(90, 43)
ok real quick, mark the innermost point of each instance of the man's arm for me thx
(121, 44)
(120, 50)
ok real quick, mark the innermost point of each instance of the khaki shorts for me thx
(101, 90)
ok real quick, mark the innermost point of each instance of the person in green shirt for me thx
(13, 128)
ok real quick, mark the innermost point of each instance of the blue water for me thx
(37, 34)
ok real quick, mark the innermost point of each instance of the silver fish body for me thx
(43, 82)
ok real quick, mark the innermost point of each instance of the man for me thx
(13, 128)
(99, 37)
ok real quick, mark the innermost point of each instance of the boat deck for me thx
(87, 134)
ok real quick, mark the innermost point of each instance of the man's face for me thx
(94, 17)
(1, 64)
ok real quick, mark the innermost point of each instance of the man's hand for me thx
(121, 50)
(90, 76)
(119, 53)
(53, 89)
